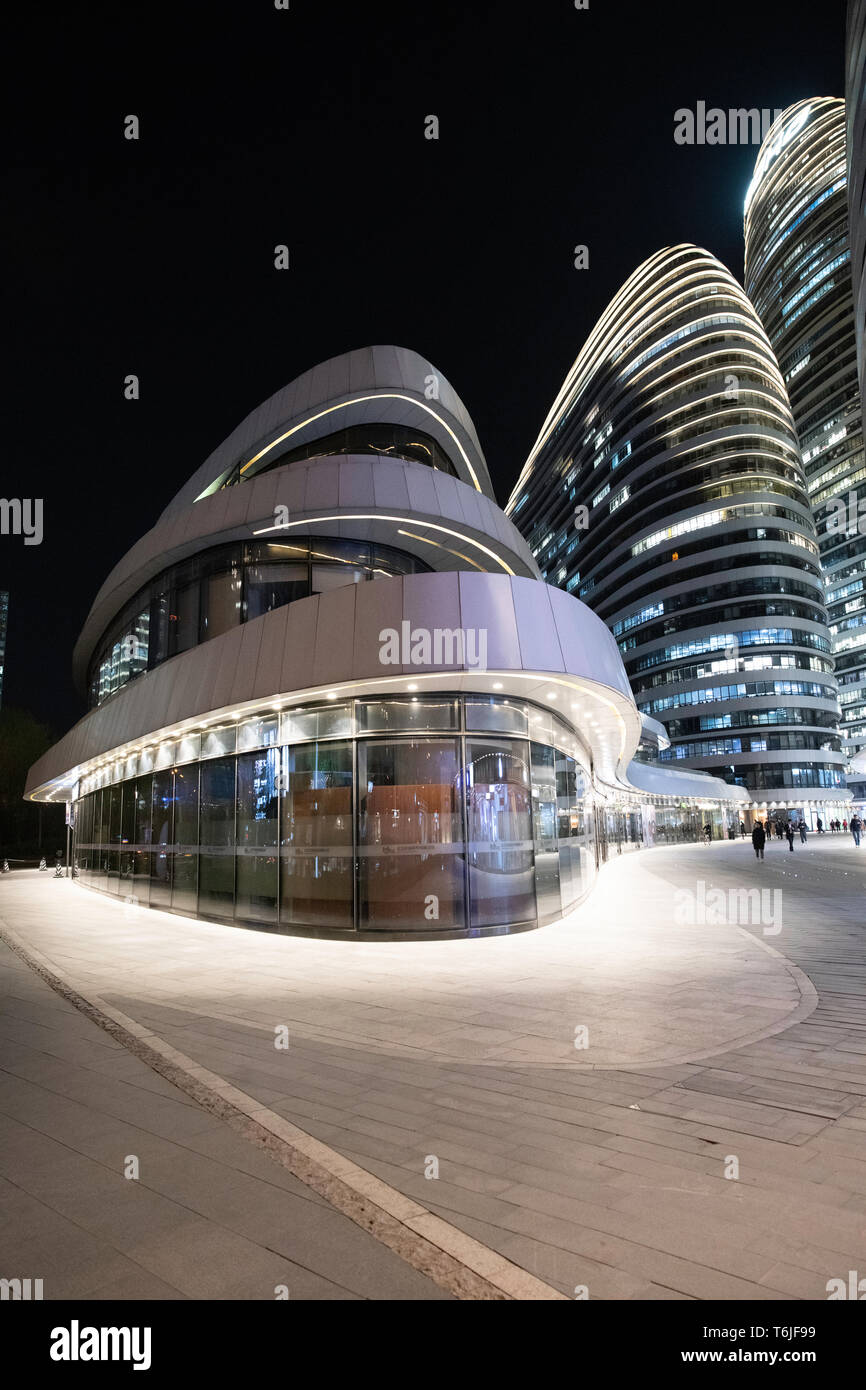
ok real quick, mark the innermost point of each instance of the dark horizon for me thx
(155, 257)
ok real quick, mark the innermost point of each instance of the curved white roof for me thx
(367, 386)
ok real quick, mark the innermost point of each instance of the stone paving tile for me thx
(209, 1216)
(615, 1167)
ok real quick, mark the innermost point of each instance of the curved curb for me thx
(453, 1260)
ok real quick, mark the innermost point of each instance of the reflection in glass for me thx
(547, 883)
(273, 585)
(143, 790)
(185, 868)
(317, 880)
(499, 803)
(163, 803)
(256, 886)
(496, 714)
(410, 835)
(404, 715)
(327, 721)
(216, 882)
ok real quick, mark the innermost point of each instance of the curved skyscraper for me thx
(798, 276)
(855, 144)
(666, 490)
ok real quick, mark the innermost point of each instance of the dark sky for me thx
(306, 127)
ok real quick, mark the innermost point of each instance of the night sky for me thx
(306, 127)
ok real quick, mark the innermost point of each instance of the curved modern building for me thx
(855, 147)
(666, 490)
(329, 695)
(798, 276)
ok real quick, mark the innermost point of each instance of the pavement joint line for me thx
(456, 1262)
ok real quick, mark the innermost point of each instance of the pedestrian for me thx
(742, 830)
(758, 838)
(802, 832)
(845, 825)
(789, 831)
(820, 826)
(856, 827)
(708, 833)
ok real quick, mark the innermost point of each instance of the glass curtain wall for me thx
(401, 815)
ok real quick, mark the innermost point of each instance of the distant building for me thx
(666, 491)
(855, 148)
(798, 276)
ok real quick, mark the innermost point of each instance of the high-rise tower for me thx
(798, 276)
(666, 490)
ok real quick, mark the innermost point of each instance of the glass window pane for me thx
(258, 733)
(272, 586)
(142, 856)
(317, 861)
(540, 724)
(387, 562)
(185, 868)
(161, 628)
(496, 714)
(216, 889)
(407, 714)
(546, 840)
(216, 742)
(257, 852)
(335, 576)
(163, 804)
(410, 836)
(222, 602)
(127, 837)
(351, 554)
(501, 877)
(188, 749)
(114, 838)
(324, 721)
(183, 619)
(164, 755)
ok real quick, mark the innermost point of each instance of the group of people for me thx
(787, 829)
(837, 825)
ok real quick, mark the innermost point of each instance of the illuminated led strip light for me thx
(381, 516)
(343, 405)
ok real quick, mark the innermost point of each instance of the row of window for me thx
(227, 585)
(344, 719)
(383, 835)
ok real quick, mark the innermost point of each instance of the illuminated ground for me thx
(602, 1165)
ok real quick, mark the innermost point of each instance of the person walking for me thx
(820, 825)
(789, 831)
(742, 830)
(758, 839)
(708, 833)
(802, 832)
(856, 828)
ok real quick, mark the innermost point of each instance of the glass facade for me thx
(441, 813)
(224, 586)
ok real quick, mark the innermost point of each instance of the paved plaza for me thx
(651, 1099)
